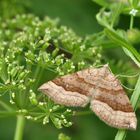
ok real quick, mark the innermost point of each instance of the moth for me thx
(100, 88)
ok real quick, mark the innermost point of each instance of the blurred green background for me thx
(80, 16)
(77, 14)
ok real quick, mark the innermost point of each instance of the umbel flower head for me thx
(33, 51)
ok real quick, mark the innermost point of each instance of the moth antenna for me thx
(107, 65)
(102, 65)
(131, 89)
(128, 76)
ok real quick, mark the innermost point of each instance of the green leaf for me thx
(128, 53)
(116, 11)
(135, 3)
(103, 3)
(117, 39)
(110, 18)
(103, 18)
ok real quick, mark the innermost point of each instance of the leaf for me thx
(111, 34)
(103, 18)
(128, 53)
(135, 3)
(103, 3)
(110, 18)
(116, 11)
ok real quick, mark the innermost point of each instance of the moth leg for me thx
(61, 96)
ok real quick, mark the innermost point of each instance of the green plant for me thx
(33, 51)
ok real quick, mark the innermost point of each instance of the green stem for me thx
(131, 22)
(19, 127)
(136, 94)
(121, 135)
(134, 100)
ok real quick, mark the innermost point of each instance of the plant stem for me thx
(19, 127)
(134, 100)
(136, 94)
(121, 135)
(131, 22)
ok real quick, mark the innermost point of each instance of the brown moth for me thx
(100, 88)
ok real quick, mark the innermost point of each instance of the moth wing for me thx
(111, 104)
(67, 90)
(108, 99)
